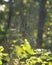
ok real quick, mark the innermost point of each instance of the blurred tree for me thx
(23, 18)
(10, 13)
(7, 23)
(42, 17)
(19, 20)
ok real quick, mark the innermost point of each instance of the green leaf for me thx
(27, 47)
(5, 54)
(50, 63)
(0, 62)
(1, 48)
(39, 59)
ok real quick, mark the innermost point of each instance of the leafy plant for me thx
(26, 55)
(2, 56)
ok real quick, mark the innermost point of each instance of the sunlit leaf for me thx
(1, 48)
(50, 63)
(14, 41)
(5, 54)
(39, 59)
(48, 2)
(17, 12)
(0, 62)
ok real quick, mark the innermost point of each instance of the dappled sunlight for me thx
(2, 7)
(25, 32)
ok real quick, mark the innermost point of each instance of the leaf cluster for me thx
(29, 56)
(3, 56)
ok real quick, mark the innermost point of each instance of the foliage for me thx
(26, 55)
(24, 21)
(3, 56)
(18, 21)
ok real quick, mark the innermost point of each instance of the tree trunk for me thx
(5, 44)
(23, 20)
(10, 13)
(42, 17)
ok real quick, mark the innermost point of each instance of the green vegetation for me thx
(25, 32)
(28, 56)
(3, 56)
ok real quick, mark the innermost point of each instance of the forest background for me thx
(27, 25)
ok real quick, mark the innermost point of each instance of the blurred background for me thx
(26, 19)
(26, 25)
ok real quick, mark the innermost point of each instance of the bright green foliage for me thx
(2, 56)
(24, 50)
(26, 55)
(26, 46)
(24, 24)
